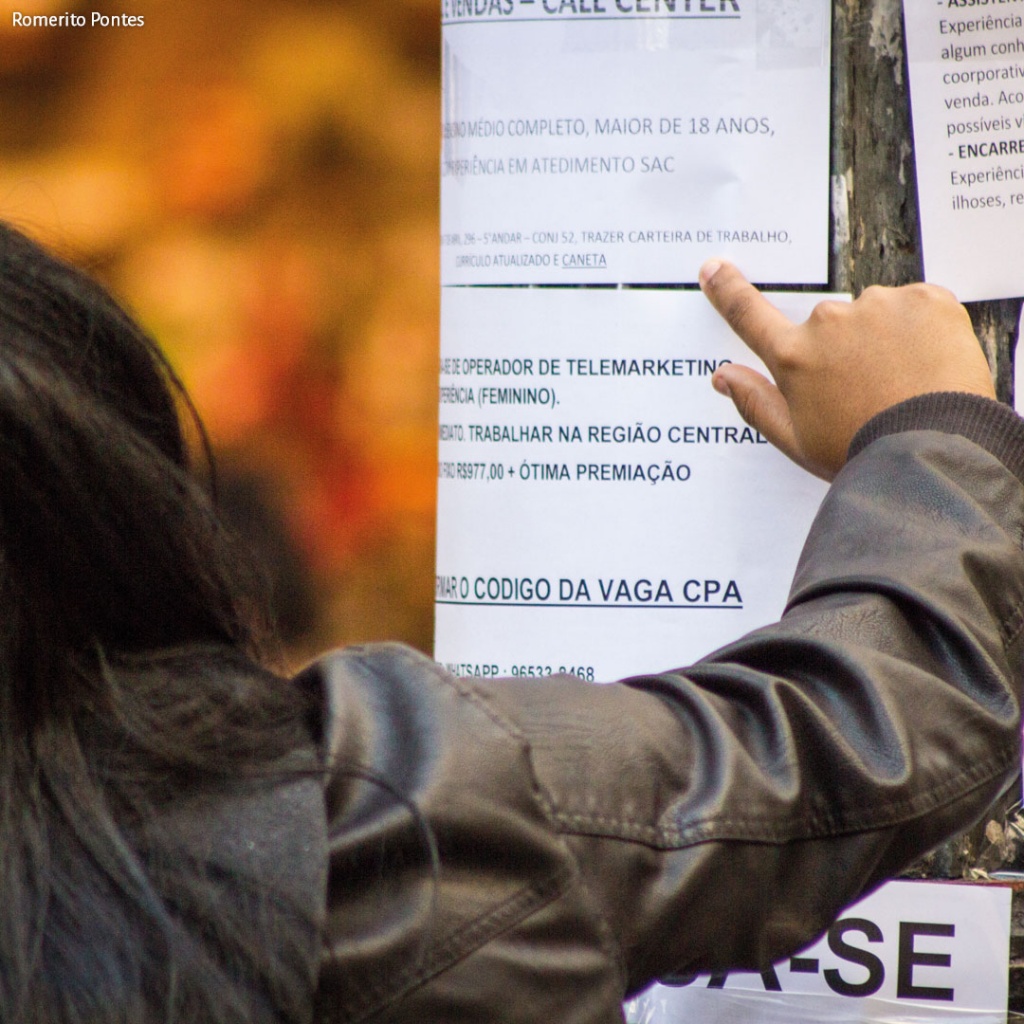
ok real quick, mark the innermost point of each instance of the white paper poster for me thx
(967, 96)
(601, 509)
(624, 141)
(911, 953)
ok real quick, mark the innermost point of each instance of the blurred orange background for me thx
(258, 181)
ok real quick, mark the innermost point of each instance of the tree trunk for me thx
(876, 239)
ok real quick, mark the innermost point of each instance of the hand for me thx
(846, 363)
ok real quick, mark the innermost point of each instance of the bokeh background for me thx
(258, 181)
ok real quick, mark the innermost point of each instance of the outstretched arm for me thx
(592, 839)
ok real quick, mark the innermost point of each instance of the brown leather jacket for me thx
(533, 850)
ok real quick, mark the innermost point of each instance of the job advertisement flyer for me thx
(624, 141)
(601, 509)
(910, 953)
(966, 66)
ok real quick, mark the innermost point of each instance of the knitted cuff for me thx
(989, 424)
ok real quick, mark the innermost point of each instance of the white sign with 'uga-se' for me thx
(912, 952)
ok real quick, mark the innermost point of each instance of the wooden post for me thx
(876, 239)
(876, 236)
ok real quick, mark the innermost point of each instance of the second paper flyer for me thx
(601, 509)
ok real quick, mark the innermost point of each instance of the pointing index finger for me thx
(754, 319)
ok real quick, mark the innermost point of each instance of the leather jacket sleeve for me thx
(534, 850)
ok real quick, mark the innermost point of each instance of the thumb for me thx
(762, 405)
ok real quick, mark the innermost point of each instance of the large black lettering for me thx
(909, 958)
(855, 955)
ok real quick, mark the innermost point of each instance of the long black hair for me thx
(129, 687)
